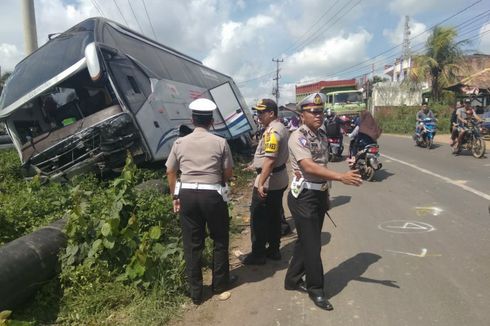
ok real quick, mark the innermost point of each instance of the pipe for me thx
(28, 262)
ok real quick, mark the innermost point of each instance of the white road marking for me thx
(422, 254)
(448, 180)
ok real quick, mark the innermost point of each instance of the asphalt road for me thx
(411, 248)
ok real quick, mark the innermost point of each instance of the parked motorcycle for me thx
(366, 161)
(335, 148)
(472, 141)
(425, 138)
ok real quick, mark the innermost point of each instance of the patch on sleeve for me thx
(271, 145)
(303, 142)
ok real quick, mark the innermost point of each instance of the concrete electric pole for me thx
(30, 33)
(275, 90)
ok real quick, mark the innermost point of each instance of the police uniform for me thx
(266, 212)
(309, 207)
(202, 157)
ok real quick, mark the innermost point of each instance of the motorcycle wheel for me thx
(429, 143)
(368, 173)
(478, 148)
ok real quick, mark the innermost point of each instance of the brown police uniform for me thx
(202, 157)
(266, 212)
(308, 210)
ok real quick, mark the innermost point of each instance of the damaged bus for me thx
(99, 90)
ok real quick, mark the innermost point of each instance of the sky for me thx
(313, 39)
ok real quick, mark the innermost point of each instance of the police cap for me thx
(202, 106)
(312, 101)
(266, 104)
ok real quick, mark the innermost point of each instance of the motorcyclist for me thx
(333, 124)
(423, 113)
(464, 115)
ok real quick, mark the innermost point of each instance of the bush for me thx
(401, 120)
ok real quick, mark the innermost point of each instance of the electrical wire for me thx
(120, 12)
(135, 18)
(149, 20)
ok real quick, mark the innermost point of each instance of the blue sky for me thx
(317, 39)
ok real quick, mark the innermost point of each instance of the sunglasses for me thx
(315, 112)
(259, 112)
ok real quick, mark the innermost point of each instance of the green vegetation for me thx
(441, 61)
(123, 264)
(401, 120)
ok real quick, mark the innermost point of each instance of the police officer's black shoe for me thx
(273, 254)
(231, 280)
(321, 302)
(252, 259)
(301, 287)
(197, 301)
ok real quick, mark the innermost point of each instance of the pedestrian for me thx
(269, 161)
(308, 199)
(205, 163)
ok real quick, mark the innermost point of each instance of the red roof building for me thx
(324, 86)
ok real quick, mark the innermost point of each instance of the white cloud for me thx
(484, 46)
(328, 56)
(10, 55)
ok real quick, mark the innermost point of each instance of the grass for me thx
(401, 120)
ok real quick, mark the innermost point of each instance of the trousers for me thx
(198, 209)
(308, 211)
(265, 222)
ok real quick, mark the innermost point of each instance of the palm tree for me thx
(441, 62)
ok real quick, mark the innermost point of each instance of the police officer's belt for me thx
(276, 169)
(316, 186)
(200, 186)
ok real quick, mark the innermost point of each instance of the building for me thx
(400, 70)
(324, 86)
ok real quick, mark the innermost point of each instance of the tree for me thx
(441, 62)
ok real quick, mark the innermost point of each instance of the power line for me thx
(134, 15)
(317, 34)
(324, 28)
(395, 47)
(94, 3)
(309, 29)
(120, 12)
(149, 20)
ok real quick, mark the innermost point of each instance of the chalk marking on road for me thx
(448, 180)
(404, 226)
(421, 255)
(434, 211)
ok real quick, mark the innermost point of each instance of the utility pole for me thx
(30, 33)
(275, 90)
(406, 55)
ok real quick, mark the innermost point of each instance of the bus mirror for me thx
(93, 64)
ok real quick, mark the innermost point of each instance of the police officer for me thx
(270, 163)
(205, 163)
(308, 199)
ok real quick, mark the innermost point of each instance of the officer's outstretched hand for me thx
(352, 178)
(176, 204)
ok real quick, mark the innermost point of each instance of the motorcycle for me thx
(472, 141)
(366, 161)
(425, 138)
(335, 148)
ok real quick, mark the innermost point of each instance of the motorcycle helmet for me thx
(329, 112)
